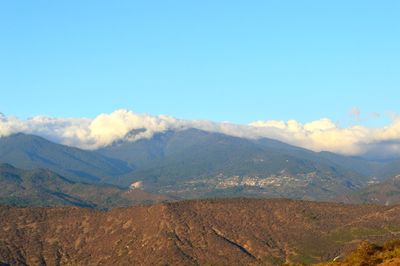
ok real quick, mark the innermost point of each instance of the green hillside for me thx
(40, 187)
(29, 152)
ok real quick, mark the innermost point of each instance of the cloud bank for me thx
(103, 130)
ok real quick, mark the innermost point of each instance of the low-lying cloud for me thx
(103, 130)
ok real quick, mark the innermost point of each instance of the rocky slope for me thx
(212, 232)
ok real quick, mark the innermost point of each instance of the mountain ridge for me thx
(194, 163)
(30, 151)
(168, 159)
(42, 187)
(229, 232)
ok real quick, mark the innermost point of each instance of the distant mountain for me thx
(196, 232)
(391, 168)
(385, 193)
(196, 163)
(29, 152)
(367, 167)
(40, 187)
(193, 163)
(360, 165)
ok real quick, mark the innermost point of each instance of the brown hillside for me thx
(368, 254)
(201, 232)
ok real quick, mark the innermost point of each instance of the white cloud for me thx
(319, 135)
(104, 129)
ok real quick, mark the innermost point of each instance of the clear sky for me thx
(237, 61)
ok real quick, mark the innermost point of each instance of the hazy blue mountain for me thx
(384, 193)
(29, 152)
(204, 152)
(363, 166)
(391, 168)
(196, 162)
(145, 153)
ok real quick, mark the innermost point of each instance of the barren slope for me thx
(221, 232)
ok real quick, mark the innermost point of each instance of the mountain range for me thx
(193, 163)
(158, 175)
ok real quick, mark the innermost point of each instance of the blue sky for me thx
(236, 61)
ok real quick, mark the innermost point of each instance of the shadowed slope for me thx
(30, 152)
